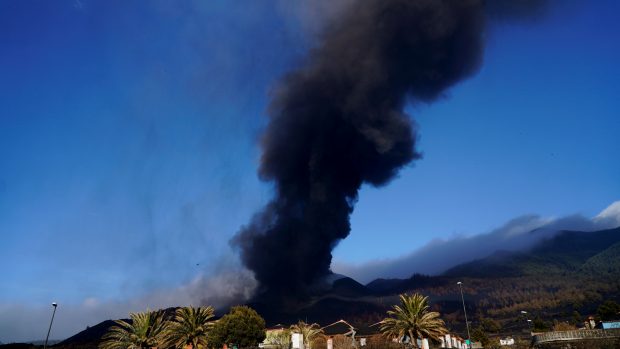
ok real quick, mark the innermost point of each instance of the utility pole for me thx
(49, 329)
(465, 312)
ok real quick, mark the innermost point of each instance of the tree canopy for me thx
(145, 330)
(413, 319)
(190, 326)
(241, 327)
(609, 310)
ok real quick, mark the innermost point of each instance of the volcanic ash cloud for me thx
(338, 122)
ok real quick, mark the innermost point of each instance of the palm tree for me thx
(145, 330)
(281, 339)
(412, 319)
(189, 328)
(308, 331)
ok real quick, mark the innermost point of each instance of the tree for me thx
(539, 325)
(308, 331)
(341, 342)
(479, 335)
(490, 325)
(563, 326)
(576, 318)
(145, 330)
(241, 327)
(609, 310)
(190, 327)
(413, 319)
(320, 342)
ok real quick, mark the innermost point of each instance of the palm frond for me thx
(413, 319)
(190, 327)
(145, 330)
(308, 331)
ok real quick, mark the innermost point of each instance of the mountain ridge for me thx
(553, 279)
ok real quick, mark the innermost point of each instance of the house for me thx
(507, 341)
(274, 338)
(590, 323)
(608, 325)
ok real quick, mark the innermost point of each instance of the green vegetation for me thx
(308, 331)
(189, 328)
(576, 318)
(559, 283)
(490, 325)
(242, 327)
(280, 339)
(540, 325)
(146, 330)
(606, 263)
(609, 310)
(413, 319)
(479, 335)
(565, 253)
(563, 326)
(562, 278)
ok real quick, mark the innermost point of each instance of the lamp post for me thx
(49, 329)
(529, 322)
(465, 312)
(524, 313)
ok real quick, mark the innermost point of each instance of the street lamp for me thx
(529, 322)
(48, 330)
(465, 312)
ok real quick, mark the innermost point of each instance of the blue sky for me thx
(128, 139)
(533, 132)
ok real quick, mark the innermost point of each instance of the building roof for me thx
(277, 327)
(338, 327)
(610, 324)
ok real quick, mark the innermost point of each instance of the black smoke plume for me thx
(338, 122)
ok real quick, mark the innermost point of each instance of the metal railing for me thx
(574, 335)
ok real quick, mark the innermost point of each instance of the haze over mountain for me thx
(530, 278)
(441, 254)
(560, 274)
(559, 257)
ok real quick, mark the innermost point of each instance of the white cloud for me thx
(609, 216)
(439, 255)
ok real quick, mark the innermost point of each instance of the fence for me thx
(574, 335)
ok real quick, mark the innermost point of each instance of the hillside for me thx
(566, 252)
(560, 278)
(89, 338)
(571, 272)
(606, 263)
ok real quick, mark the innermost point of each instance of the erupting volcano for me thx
(338, 121)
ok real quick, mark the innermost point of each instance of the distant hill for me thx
(386, 287)
(19, 346)
(561, 278)
(347, 287)
(606, 262)
(567, 252)
(41, 342)
(89, 338)
(36, 344)
(557, 278)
